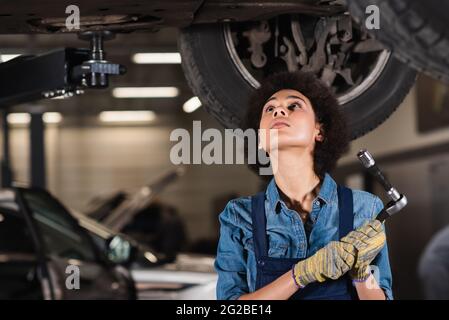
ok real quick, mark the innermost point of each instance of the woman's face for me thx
(289, 114)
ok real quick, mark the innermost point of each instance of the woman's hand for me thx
(330, 262)
(368, 240)
(354, 252)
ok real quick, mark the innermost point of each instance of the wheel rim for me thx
(369, 77)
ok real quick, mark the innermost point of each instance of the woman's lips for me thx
(279, 124)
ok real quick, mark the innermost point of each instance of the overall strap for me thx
(346, 211)
(259, 224)
(346, 218)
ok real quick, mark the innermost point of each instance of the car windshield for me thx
(62, 235)
(14, 233)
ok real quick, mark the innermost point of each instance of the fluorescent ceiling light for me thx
(19, 118)
(52, 117)
(7, 57)
(157, 58)
(145, 92)
(191, 105)
(127, 116)
(25, 118)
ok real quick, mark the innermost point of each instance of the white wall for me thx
(83, 162)
(397, 133)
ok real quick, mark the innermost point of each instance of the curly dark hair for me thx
(325, 106)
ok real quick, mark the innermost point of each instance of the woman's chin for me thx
(285, 146)
(287, 142)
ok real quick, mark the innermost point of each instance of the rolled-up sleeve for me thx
(382, 261)
(230, 262)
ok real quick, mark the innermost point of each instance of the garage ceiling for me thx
(47, 16)
(32, 27)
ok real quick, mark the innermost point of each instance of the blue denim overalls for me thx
(269, 269)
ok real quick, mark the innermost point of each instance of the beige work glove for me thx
(368, 241)
(330, 262)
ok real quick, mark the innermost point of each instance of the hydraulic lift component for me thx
(62, 72)
(95, 72)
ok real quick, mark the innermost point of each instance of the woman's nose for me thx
(279, 112)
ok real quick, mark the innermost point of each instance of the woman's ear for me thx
(320, 136)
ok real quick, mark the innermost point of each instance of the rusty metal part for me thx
(300, 42)
(344, 28)
(289, 55)
(31, 16)
(318, 58)
(368, 45)
(257, 37)
(329, 47)
(233, 11)
(96, 23)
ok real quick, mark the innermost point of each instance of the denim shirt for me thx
(235, 262)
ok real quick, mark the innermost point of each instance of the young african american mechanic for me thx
(305, 236)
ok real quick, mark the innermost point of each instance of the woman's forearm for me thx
(280, 289)
(284, 287)
(369, 290)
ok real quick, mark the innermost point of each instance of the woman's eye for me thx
(293, 105)
(270, 108)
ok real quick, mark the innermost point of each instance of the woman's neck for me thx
(296, 179)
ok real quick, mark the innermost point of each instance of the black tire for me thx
(213, 77)
(416, 31)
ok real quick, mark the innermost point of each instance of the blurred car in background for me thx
(40, 238)
(189, 277)
(139, 215)
(157, 275)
